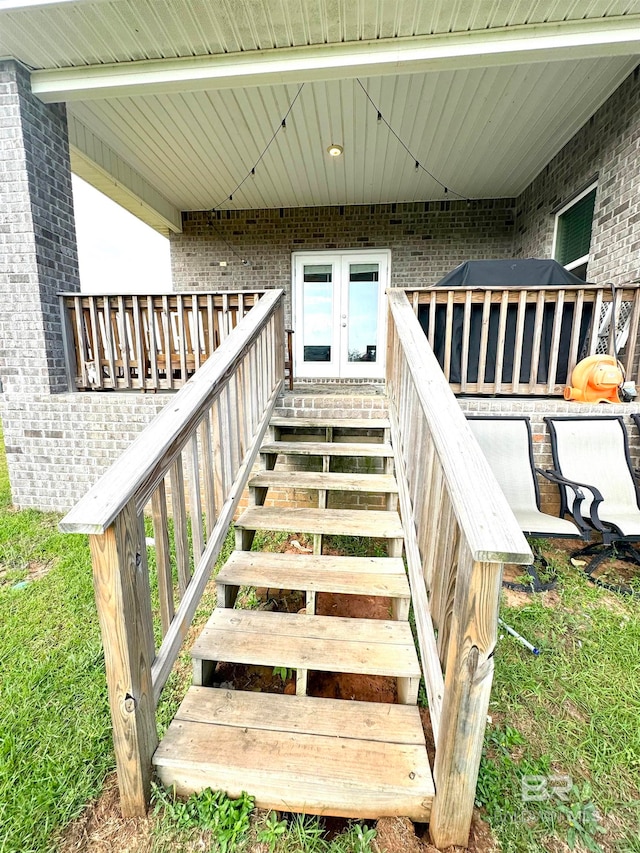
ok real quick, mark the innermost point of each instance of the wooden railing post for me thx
(124, 609)
(467, 686)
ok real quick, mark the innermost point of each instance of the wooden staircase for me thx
(303, 753)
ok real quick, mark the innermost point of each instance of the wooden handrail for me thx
(459, 530)
(195, 458)
(524, 340)
(145, 342)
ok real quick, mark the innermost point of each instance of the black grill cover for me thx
(513, 273)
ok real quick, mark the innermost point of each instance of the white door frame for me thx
(340, 367)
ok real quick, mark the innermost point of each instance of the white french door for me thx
(340, 314)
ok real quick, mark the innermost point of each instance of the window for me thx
(572, 238)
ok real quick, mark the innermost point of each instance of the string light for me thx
(242, 260)
(419, 165)
(252, 171)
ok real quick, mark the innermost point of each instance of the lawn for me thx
(567, 722)
(54, 721)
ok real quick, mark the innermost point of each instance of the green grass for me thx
(54, 720)
(575, 711)
(212, 821)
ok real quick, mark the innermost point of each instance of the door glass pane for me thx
(363, 312)
(317, 309)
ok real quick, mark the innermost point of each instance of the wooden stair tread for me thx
(304, 714)
(328, 448)
(381, 524)
(384, 576)
(299, 754)
(298, 641)
(339, 423)
(385, 483)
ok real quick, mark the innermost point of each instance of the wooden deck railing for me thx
(459, 531)
(145, 342)
(191, 464)
(495, 340)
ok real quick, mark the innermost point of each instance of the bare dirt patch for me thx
(102, 829)
(400, 835)
(38, 569)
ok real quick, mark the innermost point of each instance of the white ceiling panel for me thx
(482, 132)
(58, 35)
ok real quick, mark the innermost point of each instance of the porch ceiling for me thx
(482, 132)
(482, 127)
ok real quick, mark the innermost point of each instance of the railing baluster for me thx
(207, 470)
(163, 556)
(125, 344)
(95, 341)
(70, 352)
(630, 363)
(466, 326)
(180, 530)
(576, 325)
(182, 337)
(195, 501)
(555, 341)
(139, 342)
(82, 356)
(595, 323)
(484, 339)
(537, 342)
(216, 438)
(448, 335)
(110, 341)
(165, 326)
(502, 331)
(519, 340)
(432, 318)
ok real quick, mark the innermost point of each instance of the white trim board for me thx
(619, 36)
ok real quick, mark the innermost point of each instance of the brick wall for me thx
(37, 236)
(607, 146)
(59, 445)
(426, 240)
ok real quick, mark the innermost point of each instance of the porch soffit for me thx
(483, 132)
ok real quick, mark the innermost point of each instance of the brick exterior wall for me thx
(58, 445)
(37, 236)
(606, 147)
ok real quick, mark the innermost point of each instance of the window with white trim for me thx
(572, 237)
